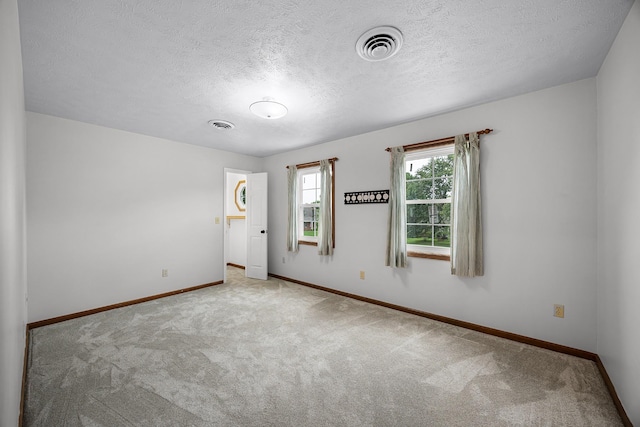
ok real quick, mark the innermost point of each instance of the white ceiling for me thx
(166, 67)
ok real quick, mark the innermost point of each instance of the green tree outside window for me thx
(428, 200)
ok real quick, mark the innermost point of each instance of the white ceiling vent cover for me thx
(379, 43)
(221, 124)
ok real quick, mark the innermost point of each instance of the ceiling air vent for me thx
(221, 124)
(379, 43)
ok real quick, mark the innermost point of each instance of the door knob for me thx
(263, 231)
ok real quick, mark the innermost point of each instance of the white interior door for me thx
(257, 233)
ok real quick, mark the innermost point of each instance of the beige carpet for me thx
(253, 353)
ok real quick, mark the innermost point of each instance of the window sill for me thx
(310, 243)
(440, 257)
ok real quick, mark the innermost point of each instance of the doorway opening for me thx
(245, 219)
(235, 222)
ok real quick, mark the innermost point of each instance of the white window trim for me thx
(421, 154)
(301, 206)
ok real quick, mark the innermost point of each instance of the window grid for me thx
(310, 206)
(428, 201)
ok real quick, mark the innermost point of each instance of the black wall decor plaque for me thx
(360, 197)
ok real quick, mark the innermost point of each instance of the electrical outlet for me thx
(283, 260)
(165, 272)
(558, 310)
(217, 220)
(362, 275)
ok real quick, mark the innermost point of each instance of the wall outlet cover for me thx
(558, 310)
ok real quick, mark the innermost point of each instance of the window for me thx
(429, 180)
(309, 197)
(309, 190)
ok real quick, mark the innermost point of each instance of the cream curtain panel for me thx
(466, 221)
(397, 237)
(325, 225)
(292, 209)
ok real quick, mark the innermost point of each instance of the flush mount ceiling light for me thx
(379, 43)
(268, 109)
(221, 124)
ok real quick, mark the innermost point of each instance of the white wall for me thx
(619, 214)
(13, 310)
(539, 207)
(108, 210)
(236, 228)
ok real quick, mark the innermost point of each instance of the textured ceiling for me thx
(166, 67)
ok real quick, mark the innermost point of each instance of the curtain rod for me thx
(312, 164)
(436, 142)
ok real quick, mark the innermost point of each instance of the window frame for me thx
(308, 170)
(423, 251)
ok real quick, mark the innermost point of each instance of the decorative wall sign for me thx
(359, 197)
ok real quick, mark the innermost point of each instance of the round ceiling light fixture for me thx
(268, 109)
(221, 124)
(379, 43)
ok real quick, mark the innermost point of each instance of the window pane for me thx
(308, 214)
(418, 168)
(441, 236)
(441, 213)
(418, 214)
(419, 235)
(309, 196)
(442, 188)
(443, 166)
(310, 228)
(419, 190)
(429, 179)
(445, 213)
(309, 181)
